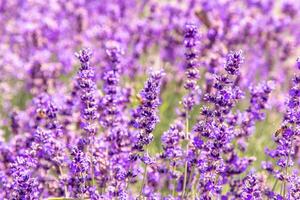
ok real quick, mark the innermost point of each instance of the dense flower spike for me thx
(258, 102)
(82, 167)
(233, 62)
(252, 187)
(88, 91)
(286, 139)
(171, 141)
(197, 128)
(113, 119)
(79, 168)
(145, 116)
(110, 104)
(191, 42)
(24, 186)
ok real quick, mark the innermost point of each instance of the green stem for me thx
(92, 163)
(187, 149)
(174, 183)
(144, 179)
(143, 182)
(90, 149)
(194, 187)
(274, 186)
(65, 186)
(128, 179)
(81, 193)
(286, 169)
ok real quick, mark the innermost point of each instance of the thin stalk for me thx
(174, 182)
(284, 186)
(191, 176)
(187, 149)
(128, 179)
(109, 167)
(92, 163)
(90, 149)
(81, 196)
(274, 186)
(281, 189)
(194, 187)
(144, 180)
(286, 169)
(65, 186)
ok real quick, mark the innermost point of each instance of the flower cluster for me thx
(145, 116)
(191, 43)
(209, 121)
(286, 141)
(88, 88)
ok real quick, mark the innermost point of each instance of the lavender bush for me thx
(128, 99)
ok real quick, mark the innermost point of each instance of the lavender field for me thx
(149, 99)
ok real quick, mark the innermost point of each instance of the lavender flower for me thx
(171, 141)
(285, 141)
(252, 187)
(191, 41)
(294, 191)
(24, 185)
(88, 137)
(258, 101)
(233, 62)
(112, 118)
(79, 171)
(110, 107)
(145, 116)
(86, 82)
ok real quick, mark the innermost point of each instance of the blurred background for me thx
(38, 40)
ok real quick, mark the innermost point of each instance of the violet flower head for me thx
(79, 168)
(191, 41)
(88, 89)
(114, 54)
(171, 141)
(25, 185)
(40, 77)
(110, 105)
(113, 119)
(259, 98)
(233, 62)
(286, 141)
(255, 112)
(15, 120)
(294, 191)
(84, 57)
(145, 117)
(226, 92)
(252, 187)
(292, 114)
